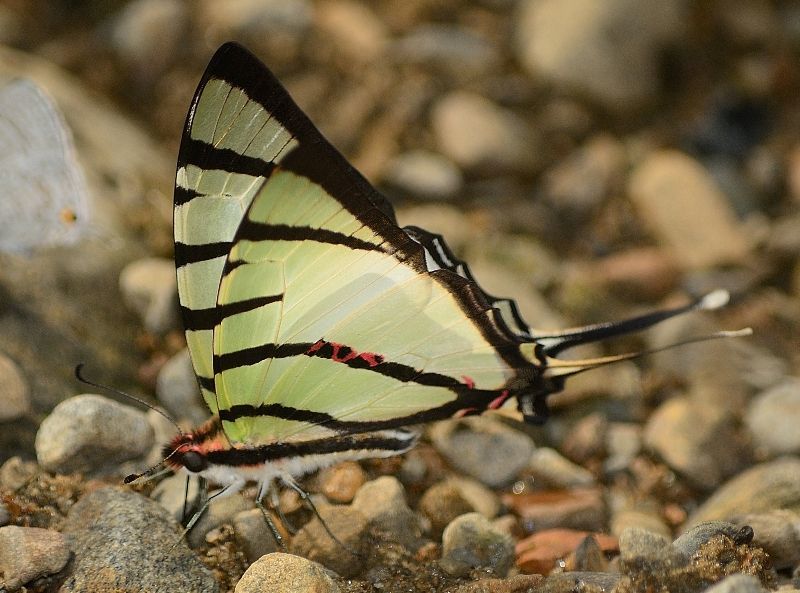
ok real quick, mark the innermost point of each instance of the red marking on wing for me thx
(343, 353)
(468, 381)
(465, 412)
(499, 400)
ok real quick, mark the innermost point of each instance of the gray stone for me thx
(382, 502)
(778, 532)
(635, 542)
(177, 389)
(221, 510)
(146, 34)
(285, 573)
(483, 448)
(150, 288)
(253, 534)
(681, 203)
(737, 583)
(123, 541)
(171, 493)
(14, 391)
(623, 444)
(28, 553)
(479, 497)
(357, 31)
(424, 174)
(606, 49)
(569, 582)
(470, 542)
(696, 440)
(15, 473)
(453, 49)
(345, 556)
(441, 503)
(647, 520)
(693, 538)
(558, 471)
(761, 488)
(91, 433)
(773, 418)
(475, 133)
(256, 17)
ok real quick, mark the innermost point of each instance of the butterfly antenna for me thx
(82, 378)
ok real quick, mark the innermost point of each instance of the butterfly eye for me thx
(194, 462)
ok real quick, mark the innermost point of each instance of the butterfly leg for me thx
(306, 498)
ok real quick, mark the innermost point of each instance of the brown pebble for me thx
(580, 508)
(540, 553)
(340, 482)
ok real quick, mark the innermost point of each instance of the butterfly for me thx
(320, 330)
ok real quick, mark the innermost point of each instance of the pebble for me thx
(760, 488)
(163, 432)
(557, 471)
(570, 582)
(339, 483)
(470, 542)
(383, 503)
(150, 288)
(14, 391)
(355, 29)
(221, 510)
(475, 133)
(449, 48)
(587, 438)
(689, 543)
(687, 212)
(581, 182)
(623, 444)
(255, 17)
(778, 532)
(286, 573)
(478, 496)
(623, 519)
(147, 34)
(253, 534)
(581, 509)
(123, 541)
(521, 583)
(541, 552)
(640, 273)
(442, 503)
(424, 174)
(696, 440)
(91, 433)
(346, 557)
(171, 493)
(15, 473)
(737, 583)
(636, 543)
(587, 557)
(177, 389)
(483, 448)
(773, 418)
(29, 553)
(571, 44)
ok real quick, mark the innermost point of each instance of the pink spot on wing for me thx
(468, 381)
(499, 400)
(343, 353)
(315, 346)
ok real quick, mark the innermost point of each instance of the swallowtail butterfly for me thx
(319, 329)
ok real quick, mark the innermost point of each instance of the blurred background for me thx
(589, 159)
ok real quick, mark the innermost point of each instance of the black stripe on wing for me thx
(189, 254)
(257, 231)
(209, 157)
(196, 319)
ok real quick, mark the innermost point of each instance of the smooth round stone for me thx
(475, 133)
(339, 483)
(150, 288)
(253, 534)
(697, 440)
(177, 389)
(172, 494)
(485, 449)
(778, 533)
(285, 573)
(635, 542)
(424, 174)
(147, 33)
(345, 556)
(632, 518)
(28, 553)
(221, 510)
(447, 47)
(383, 503)
(773, 419)
(115, 527)
(556, 470)
(90, 433)
(470, 542)
(761, 488)
(14, 391)
(442, 503)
